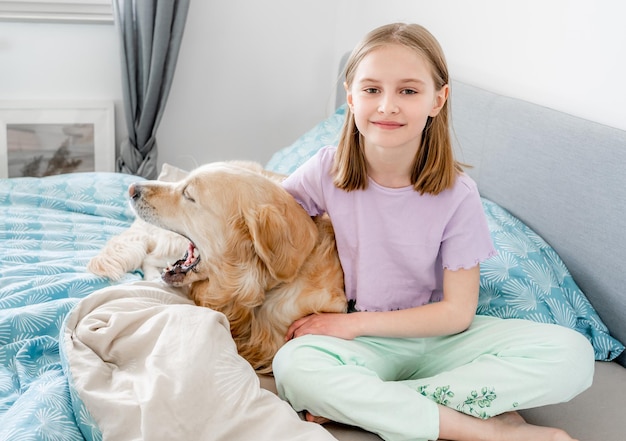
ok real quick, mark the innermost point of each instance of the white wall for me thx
(51, 61)
(254, 75)
(251, 77)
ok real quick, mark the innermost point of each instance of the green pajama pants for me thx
(392, 386)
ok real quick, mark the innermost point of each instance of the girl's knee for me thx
(283, 359)
(285, 366)
(295, 354)
(574, 360)
(297, 365)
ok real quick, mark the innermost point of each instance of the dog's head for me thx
(243, 227)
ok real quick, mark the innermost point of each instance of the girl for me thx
(412, 361)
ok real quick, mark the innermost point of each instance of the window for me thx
(68, 11)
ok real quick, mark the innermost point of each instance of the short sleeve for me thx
(466, 241)
(305, 184)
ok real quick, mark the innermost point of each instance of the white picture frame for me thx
(40, 138)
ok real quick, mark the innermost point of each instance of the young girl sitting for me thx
(411, 361)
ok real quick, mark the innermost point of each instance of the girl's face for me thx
(391, 96)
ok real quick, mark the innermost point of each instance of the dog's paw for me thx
(107, 266)
(120, 255)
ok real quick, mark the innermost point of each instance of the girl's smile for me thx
(388, 125)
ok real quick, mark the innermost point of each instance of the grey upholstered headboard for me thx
(563, 176)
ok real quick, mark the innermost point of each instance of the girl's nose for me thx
(387, 104)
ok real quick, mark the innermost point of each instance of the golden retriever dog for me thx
(253, 253)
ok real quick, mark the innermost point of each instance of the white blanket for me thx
(147, 364)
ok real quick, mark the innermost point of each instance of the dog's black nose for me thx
(134, 191)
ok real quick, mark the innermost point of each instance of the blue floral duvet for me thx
(49, 229)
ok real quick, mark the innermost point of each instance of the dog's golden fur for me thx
(263, 261)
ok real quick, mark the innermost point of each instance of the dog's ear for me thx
(283, 235)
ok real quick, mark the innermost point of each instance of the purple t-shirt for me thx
(394, 243)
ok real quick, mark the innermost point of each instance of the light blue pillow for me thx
(527, 279)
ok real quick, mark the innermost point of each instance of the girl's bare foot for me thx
(512, 426)
(509, 426)
(315, 419)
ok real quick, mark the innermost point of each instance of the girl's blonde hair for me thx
(434, 167)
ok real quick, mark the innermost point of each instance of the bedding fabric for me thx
(49, 229)
(145, 363)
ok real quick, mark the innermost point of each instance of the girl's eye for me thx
(408, 91)
(371, 90)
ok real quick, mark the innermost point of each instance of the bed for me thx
(83, 357)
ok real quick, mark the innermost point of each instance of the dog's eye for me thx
(187, 196)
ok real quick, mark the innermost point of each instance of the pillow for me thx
(527, 279)
(171, 173)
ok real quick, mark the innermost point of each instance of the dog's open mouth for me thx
(175, 274)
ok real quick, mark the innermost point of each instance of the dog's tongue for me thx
(191, 255)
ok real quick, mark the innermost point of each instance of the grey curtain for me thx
(150, 34)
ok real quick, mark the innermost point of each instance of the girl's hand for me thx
(333, 324)
(453, 314)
